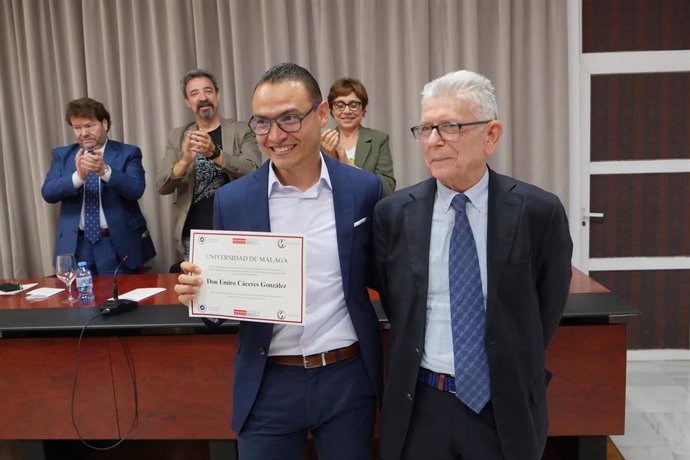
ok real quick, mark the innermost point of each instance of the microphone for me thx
(117, 305)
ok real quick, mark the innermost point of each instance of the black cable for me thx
(132, 375)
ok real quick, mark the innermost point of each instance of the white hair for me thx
(465, 85)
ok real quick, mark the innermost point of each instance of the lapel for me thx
(256, 218)
(256, 201)
(227, 134)
(363, 148)
(417, 216)
(343, 205)
(112, 151)
(504, 215)
(112, 156)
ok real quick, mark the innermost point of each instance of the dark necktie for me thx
(92, 218)
(467, 315)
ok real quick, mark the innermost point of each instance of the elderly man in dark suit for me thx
(322, 378)
(474, 269)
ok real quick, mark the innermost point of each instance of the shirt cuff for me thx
(106, 175)
(76, 180)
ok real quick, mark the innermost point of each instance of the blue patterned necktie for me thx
(92, 217)
(467, 315)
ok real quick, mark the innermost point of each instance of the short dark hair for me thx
(345, 86)
(197, 73)
(87, 108)
(288, 72)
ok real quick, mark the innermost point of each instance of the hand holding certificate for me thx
(252, 276)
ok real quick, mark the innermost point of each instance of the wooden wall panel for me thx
(645, 215)
(635, 25)
(190, 368)
(587, 392)
(663, 297)
(36, 378)
(640, 116)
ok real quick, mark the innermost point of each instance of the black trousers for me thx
(443, 428)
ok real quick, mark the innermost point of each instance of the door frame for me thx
(582, 66)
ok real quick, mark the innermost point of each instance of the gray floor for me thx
(657, 411)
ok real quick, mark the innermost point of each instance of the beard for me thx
(206, 110)
(89, 143)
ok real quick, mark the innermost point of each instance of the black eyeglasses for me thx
(353, 105)
(446, 131)
(288, 122)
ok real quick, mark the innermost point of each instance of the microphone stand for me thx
(115, 306)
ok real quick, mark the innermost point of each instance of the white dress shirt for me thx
(327, 322)
(438, 340)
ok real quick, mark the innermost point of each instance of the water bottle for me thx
(84, 283)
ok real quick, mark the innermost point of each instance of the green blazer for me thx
(373, 154)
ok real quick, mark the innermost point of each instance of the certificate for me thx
(249, 276)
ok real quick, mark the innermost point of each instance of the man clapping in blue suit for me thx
(324, 377)
(98, 182)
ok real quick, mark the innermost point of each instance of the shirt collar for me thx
(101, 148)
(274, 185)
(478, 194)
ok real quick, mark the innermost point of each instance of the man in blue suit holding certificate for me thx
(98, 182)
(322, 378)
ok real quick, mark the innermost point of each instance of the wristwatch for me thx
(216, 153)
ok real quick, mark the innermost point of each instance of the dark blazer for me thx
(372, 153)
(528, 270)
(119, 199)
(242, 205)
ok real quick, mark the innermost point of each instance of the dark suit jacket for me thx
(372, 153)
(528, 270)
(242, 205)
(119, 199)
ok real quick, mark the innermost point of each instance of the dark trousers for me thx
(335, 403)
(101, 256)
(443, 428)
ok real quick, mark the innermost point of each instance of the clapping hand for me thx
(330, 143)
(87, 162)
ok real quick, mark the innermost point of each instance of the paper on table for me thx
(43, 293)
(140, 293)
(24, 288)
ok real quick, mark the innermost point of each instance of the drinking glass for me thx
(66, 270)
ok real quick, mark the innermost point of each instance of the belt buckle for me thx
(305, 360)
(442, 380)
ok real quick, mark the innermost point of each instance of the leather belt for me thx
(442, 382)
(104, 232)
(319, 359)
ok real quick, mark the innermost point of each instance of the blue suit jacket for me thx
(242, 205)
(119, 199)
